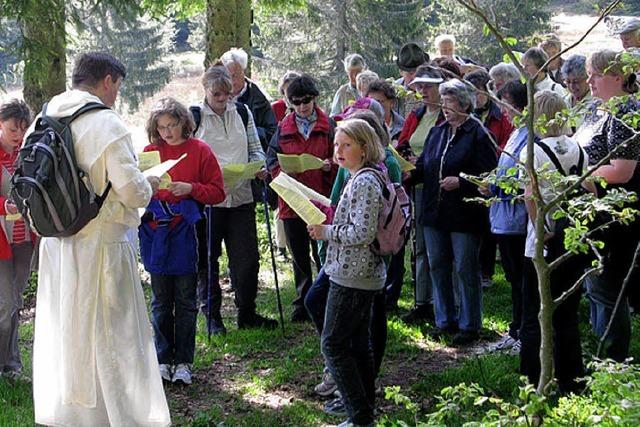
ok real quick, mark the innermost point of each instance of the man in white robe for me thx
(94, 362)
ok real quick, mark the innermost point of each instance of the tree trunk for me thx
(221, 29)
(341, 33)
(43, 27)
(244, 20)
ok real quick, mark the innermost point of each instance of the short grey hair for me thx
(444, 38)
(286, 79)
(464, 94)
(365, 78)
(536, 55)
(215, 77)
(575, 65)
(504, 72)
(354, 60)
(237, 55)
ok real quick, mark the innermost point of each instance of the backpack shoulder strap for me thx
(196, 112)
(552, 156)
(244, 114)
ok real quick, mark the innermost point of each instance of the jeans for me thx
(602, 297)
(299, 243)
(512, 256)
(316, 304)
(567, 355)
(14, 275)
(237, 228)
(602, 291)
(174, 312)
(461, 250)
(347, 351)
(424, 286)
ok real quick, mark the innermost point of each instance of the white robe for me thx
(94, 361)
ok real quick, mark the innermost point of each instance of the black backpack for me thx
(48, 187)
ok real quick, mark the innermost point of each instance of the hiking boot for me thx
(419, 315)
(335, 407)
(327, 386)
(300, 315)
(504, 344)
(16, 376)
(215, 325)
(165, 372)
(515, 348)
(465, 338)
(254, 320)
(182, 374)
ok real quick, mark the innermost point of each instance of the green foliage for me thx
(10, 45)
(517, 21)
(139, 42)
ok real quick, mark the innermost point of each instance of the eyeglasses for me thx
(169, 127)
(305, 100)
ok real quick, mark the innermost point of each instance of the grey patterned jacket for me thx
(350, 261)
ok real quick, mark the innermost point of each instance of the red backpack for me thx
(394, 219)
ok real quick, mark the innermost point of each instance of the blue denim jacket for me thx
(506, 216)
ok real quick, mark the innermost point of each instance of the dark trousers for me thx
(488, 254)
(237, 228)
(512, 256)
(347, 350)
(395, 278)
(567, 357)
(174, 312)
(316, 304)
(299, 243)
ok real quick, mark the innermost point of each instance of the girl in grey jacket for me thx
(356, 272)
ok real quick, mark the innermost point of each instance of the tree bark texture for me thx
(43, 26)
(341, 33)
(228, 25)
(221, 29)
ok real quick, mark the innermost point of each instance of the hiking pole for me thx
(209, 215)
(414, 246)
(273, 254)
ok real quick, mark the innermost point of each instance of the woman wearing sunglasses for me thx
(310, 131)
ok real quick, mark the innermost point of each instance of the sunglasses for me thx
(305, 100)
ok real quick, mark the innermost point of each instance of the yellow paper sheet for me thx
(148, 159)
(160, 169)
(298, 199)
(306, 191)
(405, 166)
(294, 163)
(13, 217)
(239, 171)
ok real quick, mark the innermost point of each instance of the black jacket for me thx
(263, 115)
(469, 151)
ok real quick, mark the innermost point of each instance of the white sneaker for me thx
(165, 372)
(515, 349)
(182, 374)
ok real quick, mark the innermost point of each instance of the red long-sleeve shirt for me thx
(200, 169)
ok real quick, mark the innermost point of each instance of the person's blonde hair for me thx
(549, 103)
(364, 135)
(174, 109)
(607, 61)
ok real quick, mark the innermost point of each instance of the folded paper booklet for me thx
(405, 166)
(149, 164)
(298, 196)
(236, 172)
(294, 163)
(5, 189)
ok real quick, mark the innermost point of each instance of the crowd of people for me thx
(95, 362)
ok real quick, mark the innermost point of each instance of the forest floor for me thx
(260, 378)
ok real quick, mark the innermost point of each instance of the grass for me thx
(260, 378)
